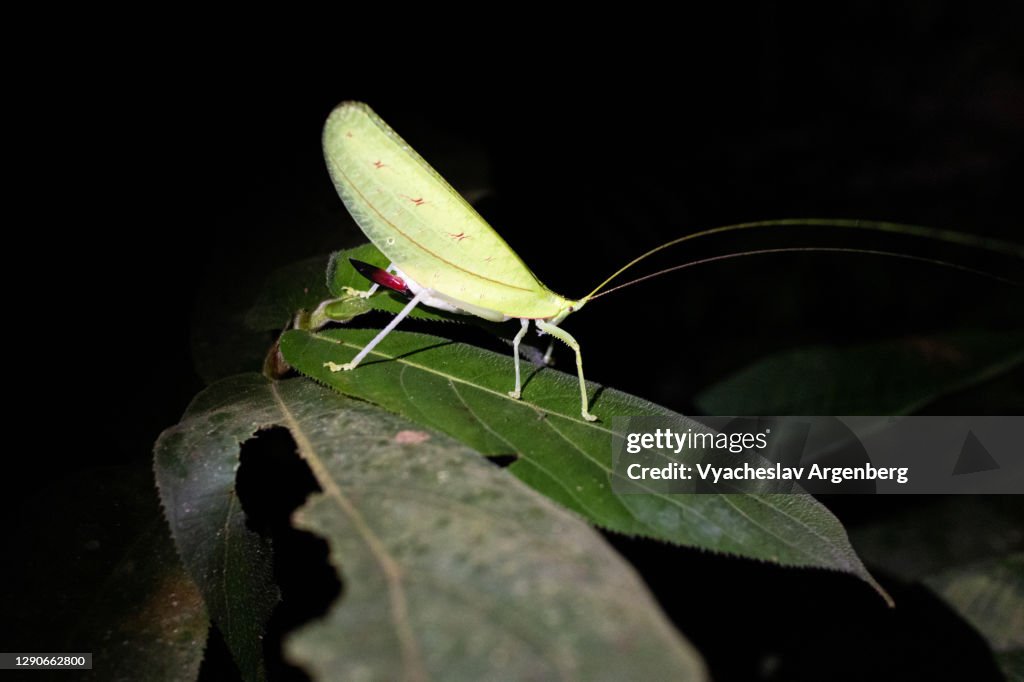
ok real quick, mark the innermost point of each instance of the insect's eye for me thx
(571, 309)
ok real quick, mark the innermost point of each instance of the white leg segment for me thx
(566, 338)
(334, 367)
(515, 357)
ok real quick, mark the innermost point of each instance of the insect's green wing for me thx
(423, 225)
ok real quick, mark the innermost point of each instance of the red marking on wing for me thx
(488, 259)
(458, 237)
(362, 195)
(379, 164)
(416, 202)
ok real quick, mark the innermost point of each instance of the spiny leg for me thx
(335, 367)
(566, 338)
(515, 357)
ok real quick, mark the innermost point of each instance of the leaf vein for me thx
(412, 659)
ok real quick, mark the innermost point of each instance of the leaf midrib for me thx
(412, 658)
(832, 548)
(460, 380)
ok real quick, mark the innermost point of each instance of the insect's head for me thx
(568, 308)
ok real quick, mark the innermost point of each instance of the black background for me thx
(168, 160)
(913, 115)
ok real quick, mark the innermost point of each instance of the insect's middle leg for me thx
(515, 357)
(549, 352)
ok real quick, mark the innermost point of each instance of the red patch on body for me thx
(381, 277)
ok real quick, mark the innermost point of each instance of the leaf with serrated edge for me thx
(462, 390)
(453, 569)
(483, 578)
(195, 463)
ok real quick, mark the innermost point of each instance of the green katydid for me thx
(445, 255)
(439, 246)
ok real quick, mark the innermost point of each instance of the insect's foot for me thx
(589, 417)
(356, 292)
(514, 394)
(335, 367)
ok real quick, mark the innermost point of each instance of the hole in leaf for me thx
(272, 483)
(503, 461)
(217, 665)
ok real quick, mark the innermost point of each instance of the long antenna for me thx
(799, 249)
(949, 236)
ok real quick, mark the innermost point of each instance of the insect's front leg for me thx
(566, 338)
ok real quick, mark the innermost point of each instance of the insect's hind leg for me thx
(566, 338)
(515, 357)
(335, 367)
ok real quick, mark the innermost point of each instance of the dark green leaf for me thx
(462, 390)
(195, 468)
(453, 570)
(887, 378)
(340, 273)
